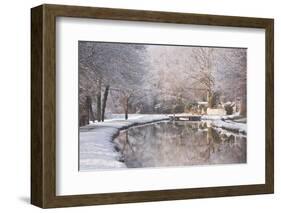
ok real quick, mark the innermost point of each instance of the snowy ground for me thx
(96, 147)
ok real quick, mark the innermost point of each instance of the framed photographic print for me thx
(136, 106)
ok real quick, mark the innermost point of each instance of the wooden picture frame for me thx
(43, 105)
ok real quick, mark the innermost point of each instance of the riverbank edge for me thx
(115, 129)
(116, 134)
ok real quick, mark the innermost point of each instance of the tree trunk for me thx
(99, 101)
(126, 107)
(243, 107)
(90, 113)
(210, 99)
(105, 94)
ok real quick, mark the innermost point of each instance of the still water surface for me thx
(180, 143)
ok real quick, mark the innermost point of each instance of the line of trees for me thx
(134, 78)
(105, 67)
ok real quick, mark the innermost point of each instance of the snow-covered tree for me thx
(106, 66)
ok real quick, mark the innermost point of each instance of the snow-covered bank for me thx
(231, 126)
(97, 151)
(226, 122)
(221, 117)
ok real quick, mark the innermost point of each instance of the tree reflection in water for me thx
(180, 143)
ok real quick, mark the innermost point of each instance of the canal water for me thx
(180, 143)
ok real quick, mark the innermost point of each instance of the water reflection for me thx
(179, 144)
